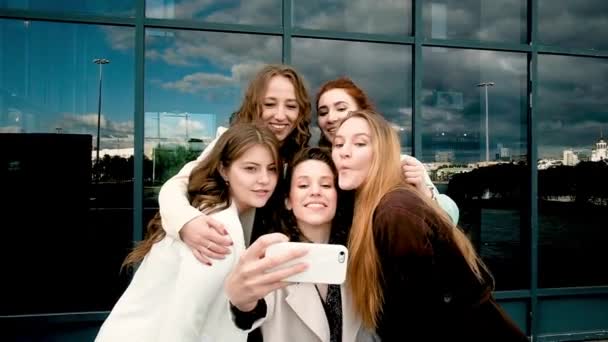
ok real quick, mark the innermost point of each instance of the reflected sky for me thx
(383, 71)
(379, 16)
(453, 112)
(47, 79)
(574, 23)
(258, 12)
(573, 107)
(49, 82)
(496, 20)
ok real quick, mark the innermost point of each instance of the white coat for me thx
(174, 297)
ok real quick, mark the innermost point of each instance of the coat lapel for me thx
(310, 311)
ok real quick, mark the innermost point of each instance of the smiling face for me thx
(312, 196)
(252, 178)
(334, 105)
(352, 152)
(280, 108)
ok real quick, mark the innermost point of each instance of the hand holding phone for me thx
(326, 262)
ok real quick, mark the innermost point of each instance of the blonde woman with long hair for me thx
(173, 297)
(412, 273)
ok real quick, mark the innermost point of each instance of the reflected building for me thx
(570, 158)
(600, 152)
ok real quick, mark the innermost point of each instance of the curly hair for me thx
(207, 189)
(252, 106)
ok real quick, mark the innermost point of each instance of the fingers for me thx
(409, 160)
(281, 274)
(201, 257)
(258, 248)
(261, 266)
(219, 241)
(212, 254)
(217, 226)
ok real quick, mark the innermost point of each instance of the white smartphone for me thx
(326, 262)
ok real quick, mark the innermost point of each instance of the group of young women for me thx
(203, 274)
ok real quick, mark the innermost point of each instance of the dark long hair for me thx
(342, 219)
(206, 188)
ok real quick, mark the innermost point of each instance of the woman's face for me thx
(280, 107)
(334, 105)
(252, 178)
(352, 153)
(312, 195)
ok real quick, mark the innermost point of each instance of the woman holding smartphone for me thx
(316, 212)
(172, 296)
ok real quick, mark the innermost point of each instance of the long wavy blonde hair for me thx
(365, 272)
(206, 187)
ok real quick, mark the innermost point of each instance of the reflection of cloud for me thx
(74, 123)
(120, 38)
(380, 16)
(202, 81)
(261, 12)
(190, 48)
(11, 129)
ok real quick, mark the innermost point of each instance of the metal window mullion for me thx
(75, 18)
(287, 25)
(138, 148)
(417, 74)
(533, 153)
(190, 24)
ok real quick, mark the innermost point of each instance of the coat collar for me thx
(299, 298)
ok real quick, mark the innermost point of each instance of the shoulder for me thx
(399, 223)
(398, 197)
(399, 202)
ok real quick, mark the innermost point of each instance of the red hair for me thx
(345, 83)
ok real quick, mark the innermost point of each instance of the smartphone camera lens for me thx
(341, 257)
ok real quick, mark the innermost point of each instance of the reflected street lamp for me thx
(485, 85)
(100, 62)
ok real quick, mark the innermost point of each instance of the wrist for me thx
(245, 307)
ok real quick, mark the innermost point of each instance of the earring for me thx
(227, 182)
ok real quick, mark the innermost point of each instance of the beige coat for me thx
(296, 314)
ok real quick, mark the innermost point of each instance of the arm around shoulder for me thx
(173, 202)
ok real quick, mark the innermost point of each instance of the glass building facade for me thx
(102, 101)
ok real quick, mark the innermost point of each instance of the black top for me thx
(332, 306)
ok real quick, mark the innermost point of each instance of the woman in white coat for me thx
(172, 296)
(299, 311)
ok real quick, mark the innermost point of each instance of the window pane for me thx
(572, 170)
(383, 71)
(489, 180)
(255, 12)
(194, 81)
(496, 20)
(362, 16)
(75, 216)
(573, 23)
(123, 8)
